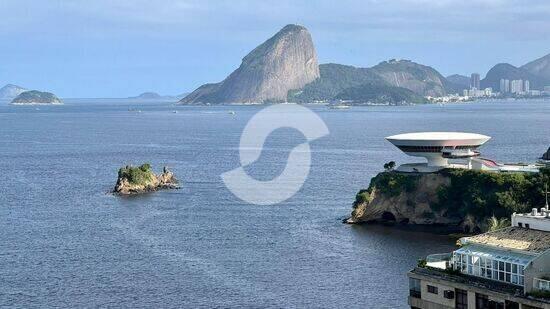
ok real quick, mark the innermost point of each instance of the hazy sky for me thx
(105, 48)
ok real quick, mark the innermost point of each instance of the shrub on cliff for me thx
(141, 175)
(392, 184)
(486, 194)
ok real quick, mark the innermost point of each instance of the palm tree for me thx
(495, 223)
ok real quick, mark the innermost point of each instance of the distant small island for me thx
(150, 95)
(34, 97)
(10, 91)
(136, 180)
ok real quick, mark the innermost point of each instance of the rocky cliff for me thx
(284, 62)
(460, 199)
(135, 180)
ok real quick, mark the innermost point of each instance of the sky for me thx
(110, 48)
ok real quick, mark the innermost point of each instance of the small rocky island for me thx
(34, 97)
(136, 180)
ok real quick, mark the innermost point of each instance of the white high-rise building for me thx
(516, 86)
(526, 86)
(504, 85)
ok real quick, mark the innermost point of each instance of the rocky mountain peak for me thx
(284, 62)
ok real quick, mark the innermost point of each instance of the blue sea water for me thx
(64, 242)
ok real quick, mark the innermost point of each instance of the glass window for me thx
(515, 268)
(508, 267)
(461, 299)
(432, 289)
(414, 288)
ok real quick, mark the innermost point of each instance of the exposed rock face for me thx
(36, 97)
(546, 155)
(539, 67)
(285, 62)
(457, 198)
(137, 180)
(380, 207)
(10, 91)
(421, 79)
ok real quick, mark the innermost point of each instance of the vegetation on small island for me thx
(36, 97)
(141, 179)
(141, 175)
(476, 199)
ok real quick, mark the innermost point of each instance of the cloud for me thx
(412, 19)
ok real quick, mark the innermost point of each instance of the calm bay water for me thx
(64, 242)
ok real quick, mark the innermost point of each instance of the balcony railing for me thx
(541, 284)
(440, 260)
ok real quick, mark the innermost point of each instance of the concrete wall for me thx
(437, 298)
(538, 268)
(535, 223)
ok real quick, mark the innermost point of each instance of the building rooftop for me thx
(513, 238)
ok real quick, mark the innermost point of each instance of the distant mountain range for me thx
(285, 69)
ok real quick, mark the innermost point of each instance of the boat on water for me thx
(339, 106)
(232, 113)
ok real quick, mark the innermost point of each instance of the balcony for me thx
(439, 261)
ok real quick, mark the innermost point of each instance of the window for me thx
(520, 224)
(501, 268)
(527, 225)
(482, 301)
(414, 288)
(495, 305)
(432, 289)
(511, 305)
(461, 299)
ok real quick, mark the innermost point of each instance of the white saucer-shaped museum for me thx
(439, 147)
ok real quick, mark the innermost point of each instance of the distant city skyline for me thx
(122, 48)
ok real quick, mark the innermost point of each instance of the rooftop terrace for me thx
(513, 238)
